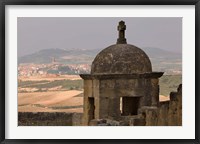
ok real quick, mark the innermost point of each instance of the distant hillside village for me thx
(27, 70)
(52, 69)
(78, 61)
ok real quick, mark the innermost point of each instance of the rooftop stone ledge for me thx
(122, 76)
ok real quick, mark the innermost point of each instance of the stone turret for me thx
(121, 82)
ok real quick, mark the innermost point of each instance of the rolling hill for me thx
(75, 56)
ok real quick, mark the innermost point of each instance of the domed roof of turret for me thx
(121, 58)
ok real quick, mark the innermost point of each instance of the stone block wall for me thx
(77, 119)
(168, 113)
(49, 119)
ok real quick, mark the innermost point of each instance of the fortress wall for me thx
(49, 119)
(77, 119)
(175, 108)
(168, 113)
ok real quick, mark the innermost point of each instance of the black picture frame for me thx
(4, 3)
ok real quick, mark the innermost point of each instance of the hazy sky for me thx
(36, 33)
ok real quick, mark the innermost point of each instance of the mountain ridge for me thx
(84, 55)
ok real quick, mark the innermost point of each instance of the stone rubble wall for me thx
(49, 119)
(168, 113)
(77, 119)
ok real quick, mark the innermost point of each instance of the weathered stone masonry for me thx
(123, 89)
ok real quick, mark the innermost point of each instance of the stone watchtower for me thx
(121, 82)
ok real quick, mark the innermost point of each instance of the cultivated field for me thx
(163, 98)
(55, 101)
(49, 78)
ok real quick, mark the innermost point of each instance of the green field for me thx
(168, 83)
(66, 84)
(30, 83)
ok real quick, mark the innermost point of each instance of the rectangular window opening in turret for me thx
(91, 108)
(129, 105)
